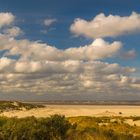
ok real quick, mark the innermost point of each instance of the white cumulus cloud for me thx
(106, 26)
(13, 32)
(6, 19)
(98, 49)
(44, 70)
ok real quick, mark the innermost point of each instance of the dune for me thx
(76, 110)
(132, 123)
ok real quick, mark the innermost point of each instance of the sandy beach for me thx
(76, 110)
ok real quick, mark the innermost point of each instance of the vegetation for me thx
(31, 128)
(58, 127)
(10, 105)
(104, 128)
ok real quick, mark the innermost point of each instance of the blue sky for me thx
(30, 16)
(31, 13)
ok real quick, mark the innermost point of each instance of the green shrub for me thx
(58, 127)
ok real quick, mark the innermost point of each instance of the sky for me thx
(69, 50)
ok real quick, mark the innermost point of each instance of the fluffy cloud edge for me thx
(6, 19)
(106, 26)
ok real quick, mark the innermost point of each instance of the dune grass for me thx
(10, 105)
(105, 128)
(58, 127)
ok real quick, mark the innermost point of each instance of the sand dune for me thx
(76, 110)
(132, 123)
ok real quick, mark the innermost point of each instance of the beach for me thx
(76, 110)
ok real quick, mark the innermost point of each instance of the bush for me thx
(57, 127)
(52, 128)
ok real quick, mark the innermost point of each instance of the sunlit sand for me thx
(76, 110)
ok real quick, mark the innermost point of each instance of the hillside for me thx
(14, 105)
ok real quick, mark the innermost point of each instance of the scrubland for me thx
(58, 127)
